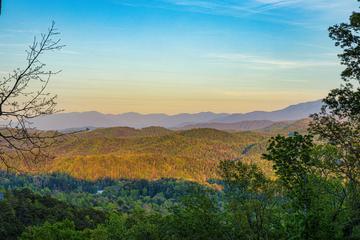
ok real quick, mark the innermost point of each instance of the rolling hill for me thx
(237, 126)
(263, 126)
(151, 153)
(155, 152)
(286, 127)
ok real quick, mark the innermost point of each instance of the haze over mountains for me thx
(242, 125)
(239, 121)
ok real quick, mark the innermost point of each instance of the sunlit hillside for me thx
(286, 127)
(152, 153)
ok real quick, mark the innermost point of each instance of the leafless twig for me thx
(20, 103)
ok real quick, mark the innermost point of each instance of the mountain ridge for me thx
(76, 120)
(237, 126)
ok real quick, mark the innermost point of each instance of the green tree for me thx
(9, 225)
(338, 123)
(249, 201)
(57, 231)
(292, 158)
(197, 218)
(311, 191)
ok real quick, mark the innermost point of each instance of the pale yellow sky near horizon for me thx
(196, 56)
(231, 102)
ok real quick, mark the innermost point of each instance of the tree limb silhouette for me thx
(23, 97)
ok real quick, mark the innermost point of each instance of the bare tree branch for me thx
(23, 97)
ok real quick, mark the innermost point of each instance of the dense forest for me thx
(150, 153)
(312, 193)
(154, 152)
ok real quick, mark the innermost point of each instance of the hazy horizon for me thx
(170, 56)
(188, 112)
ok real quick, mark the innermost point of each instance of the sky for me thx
(174, 56)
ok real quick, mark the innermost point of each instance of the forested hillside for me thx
(151, 153)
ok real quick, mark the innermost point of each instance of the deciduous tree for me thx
(23, 97)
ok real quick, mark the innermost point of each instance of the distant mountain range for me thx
(237, 126)
(239, 121)
(264, 126)
(291, 113)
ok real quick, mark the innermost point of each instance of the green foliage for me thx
(314, 195)
(250, 200)
(292, 158)
(338, 124)
(242, 176)
(9, 226)
(22, 208)
(105, 194)
(199, 217)
(59, 231)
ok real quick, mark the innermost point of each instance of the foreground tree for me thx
(23, 97)
(250, 200)
(338, 123)
(313, 194)
(311, 169)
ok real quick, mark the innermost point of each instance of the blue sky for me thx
(181, 55)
